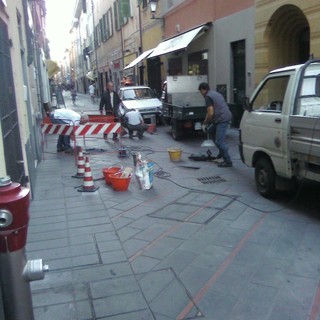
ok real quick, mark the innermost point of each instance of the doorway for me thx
(238, 50)
(8, 113)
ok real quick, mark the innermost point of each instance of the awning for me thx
(52, 67)
(177, 43)
(137, 60)
(90, 76)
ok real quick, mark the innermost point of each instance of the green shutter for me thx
(124, 10)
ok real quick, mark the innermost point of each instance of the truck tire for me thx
(176, 130)
(265, 178)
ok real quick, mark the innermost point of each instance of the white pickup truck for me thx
(280, 128)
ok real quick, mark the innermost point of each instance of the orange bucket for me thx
(108, 171)
(119, 183)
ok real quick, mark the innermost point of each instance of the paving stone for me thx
(45, 245)
(178, 260)
(133, 246)
(121, 222)
(119, 304)
(143, 264)
(171, 300)
(107, 246)
(138, 315)
(194, 278)
(255, 302)
(89, 221)
(106, 236)
(113, 257)
(163, 247)
(100, 272)
(127, 232)
(113, 287)
(56, 295)
(271, 272)
(85, 260)
(152, 232)
(65, 311)
(216, 305)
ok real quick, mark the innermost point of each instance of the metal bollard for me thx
(15, 270)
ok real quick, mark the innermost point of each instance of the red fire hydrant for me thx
(15, 270)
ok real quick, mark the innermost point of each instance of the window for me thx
(175, 66)
(102, 25)
(271, 96)
(116, 18)
(109, 24)
(198, 63)
(144, 4)
(308, 102)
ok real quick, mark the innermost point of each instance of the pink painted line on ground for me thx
(315, 308)
(220, 271)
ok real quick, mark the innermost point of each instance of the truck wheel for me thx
(176, 130)
(265, 178)
(175, 134)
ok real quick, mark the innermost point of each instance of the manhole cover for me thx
(214, 179)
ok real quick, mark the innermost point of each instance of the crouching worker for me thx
(134, 122)
(66, 116)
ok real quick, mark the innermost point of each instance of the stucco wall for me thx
(239, 26)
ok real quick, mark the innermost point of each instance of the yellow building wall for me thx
(264, 12)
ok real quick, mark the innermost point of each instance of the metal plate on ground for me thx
(194, 207)
(213, 179)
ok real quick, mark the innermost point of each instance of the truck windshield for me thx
(141, 93)
(271, 95)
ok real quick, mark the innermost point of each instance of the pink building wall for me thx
(192, 13)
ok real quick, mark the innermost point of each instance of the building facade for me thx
(241, 41)
(24, 88)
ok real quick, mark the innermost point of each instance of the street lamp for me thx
(153, 8)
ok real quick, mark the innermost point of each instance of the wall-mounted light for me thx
(153, 8)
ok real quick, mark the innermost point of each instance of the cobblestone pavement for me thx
(200, 244)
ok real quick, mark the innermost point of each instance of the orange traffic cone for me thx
(80, 164)
(88, 185)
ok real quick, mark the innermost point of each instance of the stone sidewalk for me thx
(201, 244)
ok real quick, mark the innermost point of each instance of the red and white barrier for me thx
(81, 130)
(90, 128)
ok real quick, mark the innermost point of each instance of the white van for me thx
(280, 128)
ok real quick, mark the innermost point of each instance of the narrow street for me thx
(200, 244)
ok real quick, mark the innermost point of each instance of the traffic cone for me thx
(88, 185)
(80, 164)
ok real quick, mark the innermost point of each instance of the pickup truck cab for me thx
(280, 128)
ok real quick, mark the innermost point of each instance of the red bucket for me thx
(108, 171)
(120, 183)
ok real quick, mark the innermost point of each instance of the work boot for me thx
(225, 164)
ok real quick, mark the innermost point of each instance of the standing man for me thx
(217, 121)
(110, 101)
